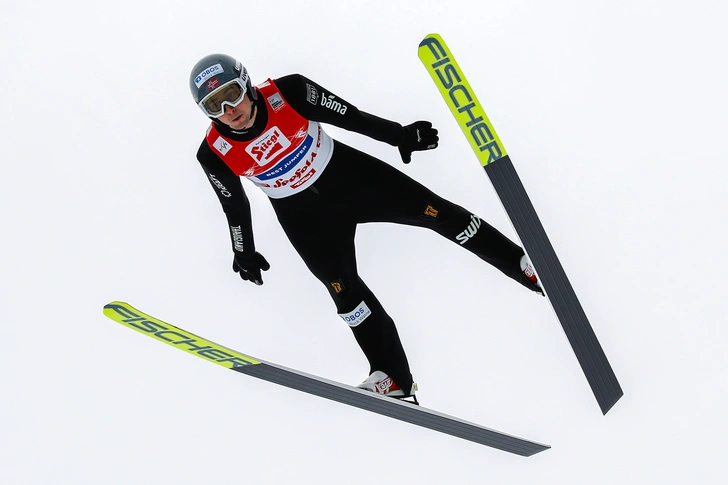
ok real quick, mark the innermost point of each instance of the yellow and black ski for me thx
(492, 155)
(402, 410)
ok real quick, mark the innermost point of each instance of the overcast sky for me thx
(614, 114)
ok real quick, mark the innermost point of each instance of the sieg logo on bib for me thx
(267, 146)
(208, 73)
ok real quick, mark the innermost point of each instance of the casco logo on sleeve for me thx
(207, 73)
(223, 190)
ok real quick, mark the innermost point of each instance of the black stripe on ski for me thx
(393, 408)
(563, 299)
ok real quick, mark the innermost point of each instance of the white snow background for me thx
(614, 113)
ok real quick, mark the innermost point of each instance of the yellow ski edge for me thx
(461, 99)
(129, 316)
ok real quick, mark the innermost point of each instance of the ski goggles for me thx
(231, 93)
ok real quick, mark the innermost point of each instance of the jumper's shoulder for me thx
(205, 154)
(297, 88)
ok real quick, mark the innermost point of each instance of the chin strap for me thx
(253, 111)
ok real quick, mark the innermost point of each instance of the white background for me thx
(614, 113)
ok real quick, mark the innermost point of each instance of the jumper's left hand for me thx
(249, 268)
(418, 136)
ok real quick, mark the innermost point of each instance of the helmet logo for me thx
(213, 83)
(208, 73)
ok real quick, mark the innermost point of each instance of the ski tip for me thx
(433, 35)
(115, 303)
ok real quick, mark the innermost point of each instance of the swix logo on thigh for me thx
(264, 148)
(471, 230)
(357, 316)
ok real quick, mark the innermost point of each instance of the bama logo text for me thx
(328, 101)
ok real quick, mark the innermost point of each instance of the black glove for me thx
(418, 136)
(249, 268)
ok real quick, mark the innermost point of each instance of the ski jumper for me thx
(321, 189)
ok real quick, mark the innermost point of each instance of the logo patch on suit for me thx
(357, 316)
(222, 145)
(338, 286)
(276, 101)
(430, 213)
(265, 148)
(312, 94)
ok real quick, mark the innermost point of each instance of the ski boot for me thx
(380, 383)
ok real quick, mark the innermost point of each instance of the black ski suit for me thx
(354, 188)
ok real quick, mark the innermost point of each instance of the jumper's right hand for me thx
(418, 136)
(249, 268)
